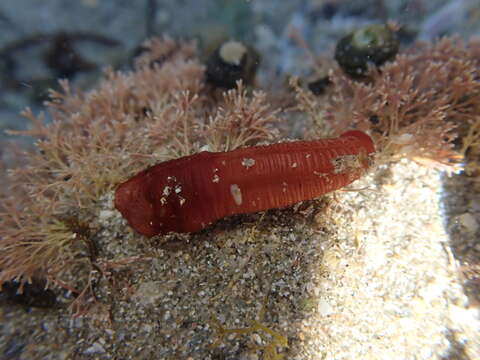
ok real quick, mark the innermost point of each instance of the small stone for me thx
(324, 308)
(105, 214)
(96, 348)
(147, 328)
(426, 353)
(257, 339)
(248, 356)
(469, 222)
(150, 292)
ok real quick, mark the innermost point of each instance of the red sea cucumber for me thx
(189, 193)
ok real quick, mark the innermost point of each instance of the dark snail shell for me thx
(230, 62)
(373, 44)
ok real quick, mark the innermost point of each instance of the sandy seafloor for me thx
(376, 276)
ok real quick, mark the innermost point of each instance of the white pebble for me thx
(96, 348)
(105, 214)
(324, 307)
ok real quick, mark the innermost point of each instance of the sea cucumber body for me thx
(188, 194)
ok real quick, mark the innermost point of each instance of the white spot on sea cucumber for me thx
(319, 173)
(182, 200)
(163, 201)
(178, 189)
(307, 156)
(247, 162)
(345, 163)
(236, 194)
(294, 165)
(216, 178)
(166, 190)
